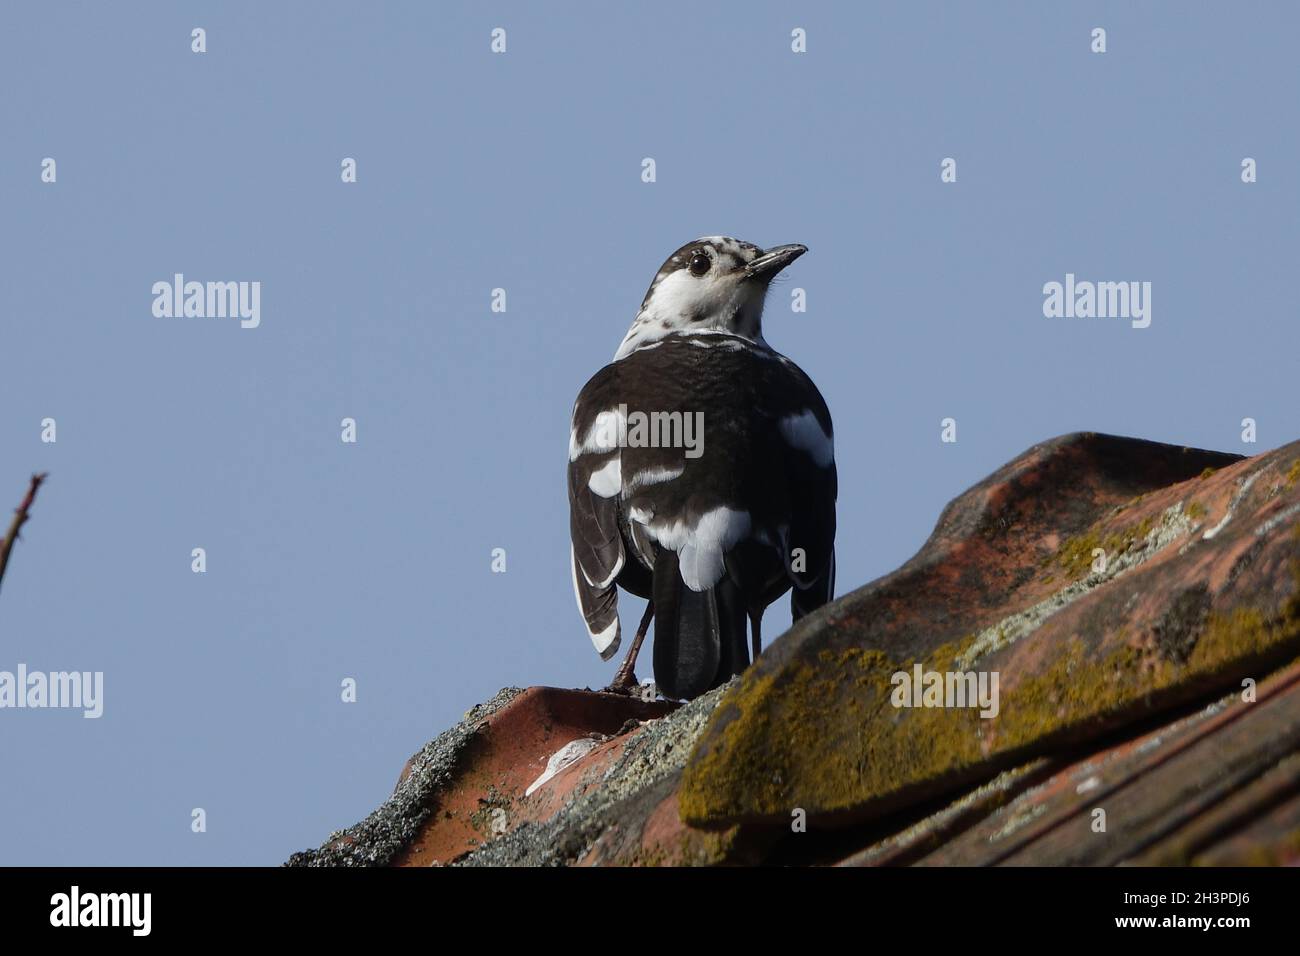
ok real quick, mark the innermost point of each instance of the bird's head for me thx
(712, 284)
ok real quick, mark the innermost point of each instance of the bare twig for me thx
(20, 518)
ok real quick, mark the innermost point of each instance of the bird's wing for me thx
(594, 484)
(805, 426)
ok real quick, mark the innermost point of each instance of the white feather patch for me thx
(602, 436)
(606, 638)
(700, 547)
(607, 480)
(602, 640)
(653, 476)
(804, 432)
(564, 758)
(577, 594)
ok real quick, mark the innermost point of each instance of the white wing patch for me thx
(601, 436)
(804, 432)
(607, 480)
(700, 547)
(653, 476)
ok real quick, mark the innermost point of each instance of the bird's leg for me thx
(625, 678)
(754, 620)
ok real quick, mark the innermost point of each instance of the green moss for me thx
(823, 734)
(798, 739)
(1207, 472)
(1075, 554)
(708, 848)
(654, 856)
(812, 751)
(1246, 632)
(1293, 475)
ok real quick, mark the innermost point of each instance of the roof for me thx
(1139, 604)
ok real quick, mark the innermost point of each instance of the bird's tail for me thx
(700, 637)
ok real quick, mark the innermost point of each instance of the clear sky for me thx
(522, 171)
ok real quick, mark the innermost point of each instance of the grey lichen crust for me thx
(650, 758)
(379, 837)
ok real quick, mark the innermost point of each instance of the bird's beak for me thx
(774, 260)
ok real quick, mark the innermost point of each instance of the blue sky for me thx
(522, 171)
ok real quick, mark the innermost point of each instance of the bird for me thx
(701, 474)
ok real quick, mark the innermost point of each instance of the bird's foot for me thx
(624, 683)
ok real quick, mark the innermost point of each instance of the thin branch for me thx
(20, 518)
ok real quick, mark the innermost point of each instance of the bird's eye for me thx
(700, 264)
